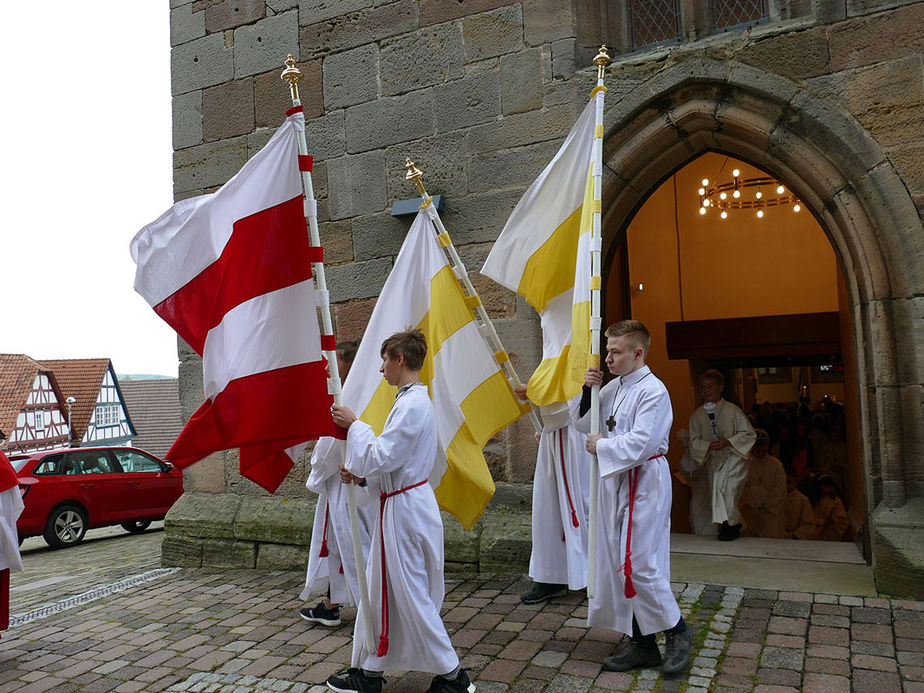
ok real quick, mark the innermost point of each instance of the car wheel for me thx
(65, 527)
(136, 527)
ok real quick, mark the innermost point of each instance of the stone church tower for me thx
(825, 97)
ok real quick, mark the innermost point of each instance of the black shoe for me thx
(321, 614)
(633, 656)
(354, 680)
(729, 532)
(461, 684)
(542, 592)
(677, 652)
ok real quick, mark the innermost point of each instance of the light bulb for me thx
(796, 208)
(736, 194)
(702, 191)
(736, 173)
(780, 190)
(706, 203)
(724, 214)
(705, 182)
(722, 196)
(702, 210)
(758, 195)
(760, 214)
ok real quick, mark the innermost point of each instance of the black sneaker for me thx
(730, 533)
(542, 592)
(321, 614)
(461, 684)
(677, 652)
(633, 656)
(354, 680)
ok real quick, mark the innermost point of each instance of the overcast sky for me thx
(87, 162)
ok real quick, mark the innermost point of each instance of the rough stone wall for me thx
(480, 93)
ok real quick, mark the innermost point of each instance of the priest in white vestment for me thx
(720, 439)
(561, 496)
(405, 570)
(633, 592)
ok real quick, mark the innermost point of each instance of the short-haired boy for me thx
(405, 571)
(633, 591)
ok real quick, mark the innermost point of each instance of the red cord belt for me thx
(383, 635)
(627, 566)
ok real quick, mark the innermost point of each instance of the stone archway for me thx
(846, 181)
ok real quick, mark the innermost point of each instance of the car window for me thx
(132, 461)
(48, 465)
(89, 462)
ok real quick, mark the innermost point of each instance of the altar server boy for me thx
(633, 591)
(405, 571)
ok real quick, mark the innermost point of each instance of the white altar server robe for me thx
(728, 469)
(337, 570)
(641, 409)
(412, 531)
(11, 507)
(561, 496)
(763, 498)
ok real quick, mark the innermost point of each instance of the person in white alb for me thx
(405, 569)
(633, 591)
(11, 507)
(558, 561)
(764, 493)
(331, 564)
(720, 439)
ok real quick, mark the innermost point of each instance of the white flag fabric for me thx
(231, 273)
(470, 393)
(543, 253)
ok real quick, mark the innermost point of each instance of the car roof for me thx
(59, 451)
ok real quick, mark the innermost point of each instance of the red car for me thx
(68, 491)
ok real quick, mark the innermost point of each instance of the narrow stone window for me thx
(653, 21)
(729, 13)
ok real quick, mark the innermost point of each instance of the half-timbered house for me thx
(99, 414)
(33, 414)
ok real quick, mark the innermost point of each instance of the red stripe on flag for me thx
(267, 251)
(328, 342)
(316, 253)
(294, 110)
(262, 414)
(305, 162)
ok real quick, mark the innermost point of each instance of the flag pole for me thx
(601, 60)
(293, 75)
(485, 326)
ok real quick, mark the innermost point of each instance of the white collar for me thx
(634, 376)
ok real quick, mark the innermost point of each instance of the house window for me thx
(107, 416)
(653, 21)
(39, 421)
(726, 13)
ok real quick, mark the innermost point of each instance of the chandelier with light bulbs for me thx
(745, 193)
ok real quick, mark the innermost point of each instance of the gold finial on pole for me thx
(414, 175)
(601, 60)
(293, 76)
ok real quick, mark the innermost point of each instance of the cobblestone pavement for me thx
(104, 617)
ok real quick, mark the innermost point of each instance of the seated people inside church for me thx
(764, 493)
(831, 517)
(799, 519)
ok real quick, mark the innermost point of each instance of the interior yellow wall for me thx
(738, 267)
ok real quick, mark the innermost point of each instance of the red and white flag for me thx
(231, 273)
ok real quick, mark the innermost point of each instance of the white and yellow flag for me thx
(470, 393)
(543, 254)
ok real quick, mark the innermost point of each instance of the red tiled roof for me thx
(81, 379)
(17, 373)
(154, 408)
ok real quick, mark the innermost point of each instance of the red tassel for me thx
(324, 552)
(563, 536)
(383, 646)
(630, 586)
(574, 520)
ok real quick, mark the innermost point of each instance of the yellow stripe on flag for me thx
(545, 276)
(466, 486)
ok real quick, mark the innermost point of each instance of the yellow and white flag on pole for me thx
(470, 392)
(543, 253)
